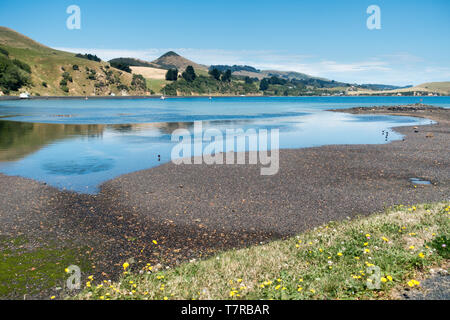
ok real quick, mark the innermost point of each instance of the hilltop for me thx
(172, 60)
(58, 73)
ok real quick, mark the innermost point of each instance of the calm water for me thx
(79, 144)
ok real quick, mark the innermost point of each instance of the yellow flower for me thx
(312, 291)
(155, 242)
(366, 244)
(367, 250)
(383, 279)
(165, 298)
(126, 265)
(277, 287)
(411, 247)
(67, 270)
(239, 280)
(52, 297)
(389, 278)
(91, 277)
(88, 284)
(385, 239)
(340, 254)
(413, 283)
(421, 255)
(102, 298)
(299, 289)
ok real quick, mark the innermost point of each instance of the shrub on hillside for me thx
(22, 65)
(12, 78)
(4, 51)
(138, 82)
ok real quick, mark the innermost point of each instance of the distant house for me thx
(24, 95)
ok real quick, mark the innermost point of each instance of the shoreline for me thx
(196, 211)
(12, 98)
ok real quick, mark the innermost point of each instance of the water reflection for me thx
(80, 157)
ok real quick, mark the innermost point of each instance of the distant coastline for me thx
(6, 98)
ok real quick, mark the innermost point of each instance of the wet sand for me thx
(196, 210)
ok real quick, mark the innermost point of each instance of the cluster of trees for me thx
(189, 74)
(121, 66)
(172, 75)
(14, 74)
(224, 76)
(234, 68)
(88, 56)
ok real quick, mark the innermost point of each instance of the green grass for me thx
(25, 269)
(156, 85)
(330, 262)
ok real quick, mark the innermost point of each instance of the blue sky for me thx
(322, 38)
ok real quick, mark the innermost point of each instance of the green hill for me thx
(59, 73)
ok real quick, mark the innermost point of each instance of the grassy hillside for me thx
(439, 88)
(443, 87)
(48, 67)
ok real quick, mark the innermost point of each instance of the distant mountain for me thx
(58, 73)
(172, 60)
(381, 87)
(249, 71)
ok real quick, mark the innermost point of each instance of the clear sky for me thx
(322, 38)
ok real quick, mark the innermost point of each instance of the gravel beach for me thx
(193, 211)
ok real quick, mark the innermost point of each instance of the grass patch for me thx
(25, 269)
(360, 259)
